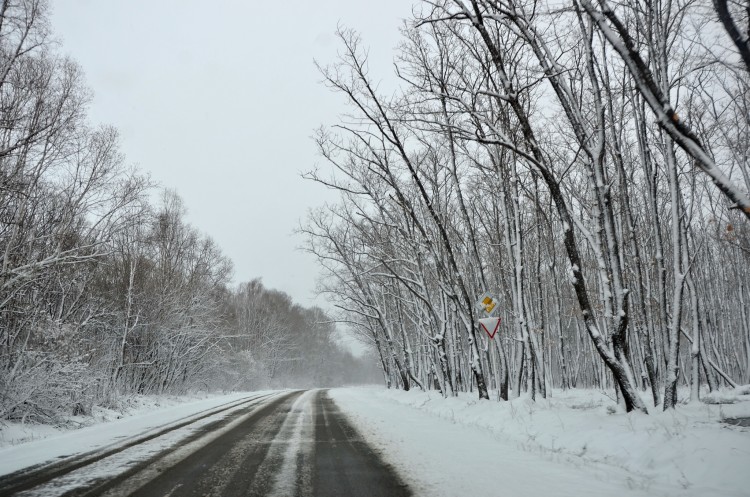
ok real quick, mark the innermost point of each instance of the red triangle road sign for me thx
(487, 323)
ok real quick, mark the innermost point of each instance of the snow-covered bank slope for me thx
(568, 445)
(144, 415)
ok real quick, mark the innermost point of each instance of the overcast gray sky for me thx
(218, 101)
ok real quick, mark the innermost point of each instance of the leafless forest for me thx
(105, 289)
(586, 161)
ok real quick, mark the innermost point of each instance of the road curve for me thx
(296, 444)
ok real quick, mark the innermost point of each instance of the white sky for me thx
(218, 100)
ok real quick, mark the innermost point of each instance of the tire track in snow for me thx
(288, 462)
(27, 478)
(143, 458)
(223, 466)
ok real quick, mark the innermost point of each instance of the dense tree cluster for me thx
(104, 292)
(585, 161)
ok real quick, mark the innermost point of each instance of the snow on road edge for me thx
(467, 442)
(147, 416)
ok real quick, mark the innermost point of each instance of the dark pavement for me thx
(297, 445)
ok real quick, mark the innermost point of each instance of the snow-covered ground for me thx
(14, 433)
(28, 445)
(572, 444)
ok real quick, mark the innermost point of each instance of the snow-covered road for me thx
(111, 434)
(372, 441)
(278, 444)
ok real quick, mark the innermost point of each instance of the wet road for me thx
(298, 444)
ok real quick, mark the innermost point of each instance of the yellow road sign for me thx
(487, 303)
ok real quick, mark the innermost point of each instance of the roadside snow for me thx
(14, 433)
(142, 414)
(568, 445)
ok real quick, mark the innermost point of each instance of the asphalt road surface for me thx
(294, 444)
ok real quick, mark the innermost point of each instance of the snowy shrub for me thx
(43, 390)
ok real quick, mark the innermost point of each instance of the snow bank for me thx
(446, 446)
(14, 433)
(139, 415)
(728, 395)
